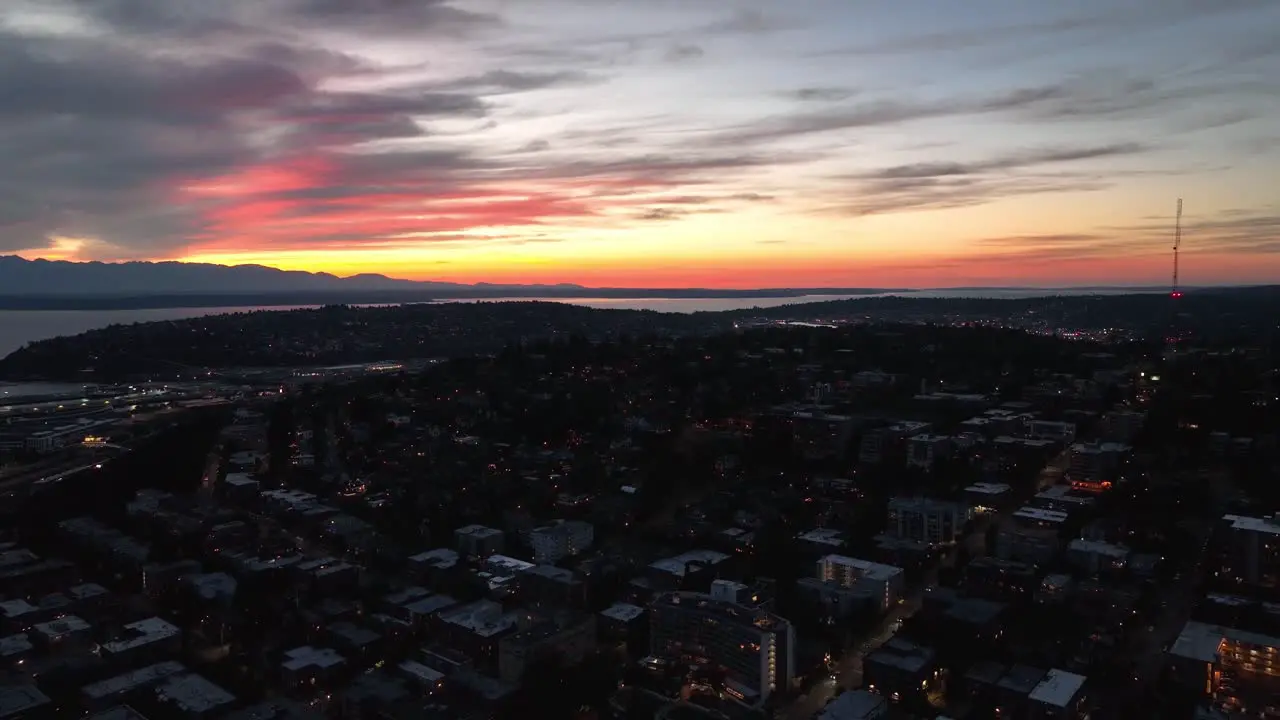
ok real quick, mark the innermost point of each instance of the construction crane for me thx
(1175, 293)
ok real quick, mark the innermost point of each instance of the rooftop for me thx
(1097, 547)
(14, 645)
(623, 612)
(1022, 679)
(1201, 641)
(439, 558)
(720, 608)
(1058, 688)
(354, 634)
(193, 694)
(677, 565)
(504, 564)
(275, 709)
(551, 572)
(308, 656)
(986, 488)
(119, 712)
(64, 625)
(421, 673)
(141, 677)
(483, 617)
(213, 585)
(853, 705)
(869, 569)
(902, 654)
(16, 699)
(1254, 524)
(1040, 515)
(141, 633)
(431, 604)
(478, 531)
(823, 536)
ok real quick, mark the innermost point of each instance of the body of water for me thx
(19, 327)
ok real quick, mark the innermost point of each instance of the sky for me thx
(649, 143)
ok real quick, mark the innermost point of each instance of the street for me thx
(849, 671)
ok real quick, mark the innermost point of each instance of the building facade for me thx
(756, 649)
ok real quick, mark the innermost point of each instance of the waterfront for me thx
(19, 327)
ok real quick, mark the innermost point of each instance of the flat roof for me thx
(119, 712)
(1097, 547)
(1253, 524)
(132, 680)
(853, 705)
(1065, 493)
(141, 633)
(15, 699)
(676, 565)
(503, 563)
(477, 531)
(1200, 641)
(14, 644)
(1041, 515)
(623, 612)
(14, 608)
(483, 617)
(430, 604)
(64, 625)
(193, 693)
(420, 672)
(873, 570)
(823, 536)
(276, 709)
(1058, 688)
(308, 656)
(987, 488)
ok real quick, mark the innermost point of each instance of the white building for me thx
(925, 521)
(1060, 695)
(562, 539)
(883, 584)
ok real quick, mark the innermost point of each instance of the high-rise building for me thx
(883, 584)
(1237, 671)
(925, 521)
(478, 541)
(1252, 546)
(1094, 466)
(754, 648)
(561, 539)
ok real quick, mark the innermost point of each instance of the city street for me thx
(849, 671)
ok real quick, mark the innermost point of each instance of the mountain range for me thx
(19, 276)
(65, 285)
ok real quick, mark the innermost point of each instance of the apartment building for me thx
(755, 648)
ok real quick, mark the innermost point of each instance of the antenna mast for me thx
(1175, 293)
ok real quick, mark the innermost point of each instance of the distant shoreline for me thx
(398, 297)
(395, 297)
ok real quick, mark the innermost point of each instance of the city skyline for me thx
(655, 144)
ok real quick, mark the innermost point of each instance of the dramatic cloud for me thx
(272, 128)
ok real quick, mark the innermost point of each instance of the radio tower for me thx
(1177, 241)
(1174, 293)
